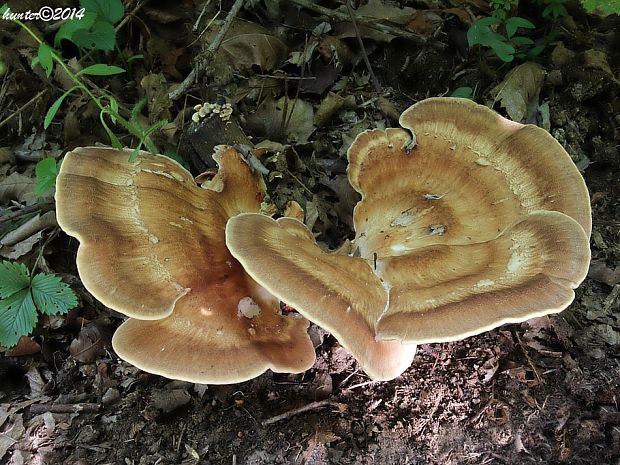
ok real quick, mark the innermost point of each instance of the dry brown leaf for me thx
(248, 44)
(17, 187)
(90, 344)
(12, 434)
(25, 346)
(600, 272)
(382, 10)
(156, 91)
(268, 120)
(519, 90)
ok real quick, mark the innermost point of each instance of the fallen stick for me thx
(306, 408)
(195, 73)
(85, 407)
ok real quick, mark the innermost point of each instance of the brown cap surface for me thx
(339, 293)
(152, 246)
(484, 221)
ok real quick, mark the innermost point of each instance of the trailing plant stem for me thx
(127, 125)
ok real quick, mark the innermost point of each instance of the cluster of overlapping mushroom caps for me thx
(467, 221)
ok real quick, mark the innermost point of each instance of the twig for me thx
(303, 69)
(529, 360)
(130, 15)
(306, 408)
(22, 108)
(341, 16)
(85, 407)
(176, 93)
(204, 9)
(310, 193)
(373, 77)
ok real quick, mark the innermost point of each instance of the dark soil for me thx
(542, 392)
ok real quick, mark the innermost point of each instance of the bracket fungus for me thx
(467, 221)
(152, 246)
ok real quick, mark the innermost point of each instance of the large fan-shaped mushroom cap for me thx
(152, 246)
(475, 222)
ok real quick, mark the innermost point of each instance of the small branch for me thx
(539, 377)
(375, 81)
(130, 15)
(341, 16)
(65, 408)
(22, 108)
(306, 408)
(217, 41)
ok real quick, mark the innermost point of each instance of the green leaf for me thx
(521, 41)
(480, 33)
(13, 278)
(101, 36)
(113, 139)
(3, 8)
(504, 51)
(135, 152)
(46, 171)
(135, 111)
(604, 7)
(51, 295)
(113, 109)
(111, 11)
(516, 22)
(67, 30)
(101, 70)
(45, 59)
(463, 92)
(18, 317)
(49, 116)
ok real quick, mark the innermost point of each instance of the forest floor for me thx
(546, 391)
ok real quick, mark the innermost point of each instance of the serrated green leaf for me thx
(51, 295)
(18, 317)
(46, 171)
(45, 59)
(14, 277)
(101, 69)
(67, 30)
(109, 10)
(101, 36)
(49, 116)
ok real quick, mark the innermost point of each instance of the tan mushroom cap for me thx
(484, 221)
(339, 293)
(152, 246)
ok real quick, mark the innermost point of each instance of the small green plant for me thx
(602, 7)
(91, 36)
(553, 9)
(23, 297)
(501, 8)
(46, 171)
(92, 28)
(507, 46)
